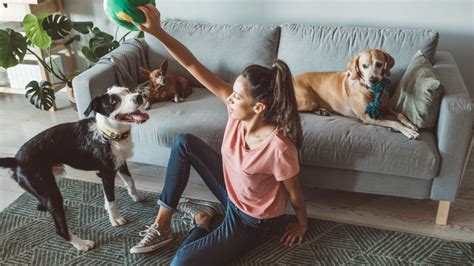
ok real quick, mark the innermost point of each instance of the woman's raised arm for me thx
(182, 54)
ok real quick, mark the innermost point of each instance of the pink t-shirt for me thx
(253, 177)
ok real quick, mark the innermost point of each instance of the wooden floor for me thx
(19, 121)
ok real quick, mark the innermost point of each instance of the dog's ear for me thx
(93, 106)
(389, 63)
(353, 66)
(164, 66)
(145, 72)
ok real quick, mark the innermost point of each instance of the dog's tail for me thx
(11, 163)
(8, 162)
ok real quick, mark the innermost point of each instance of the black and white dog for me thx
(101, 144)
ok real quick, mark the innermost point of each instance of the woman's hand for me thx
(295, 231)
(294, 234)
(152, 24)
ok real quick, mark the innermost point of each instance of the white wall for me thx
(453, 19)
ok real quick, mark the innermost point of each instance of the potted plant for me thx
(101, 43)
(43, 31)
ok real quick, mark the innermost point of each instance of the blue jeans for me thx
(237, 234)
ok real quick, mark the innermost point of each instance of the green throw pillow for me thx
(419, 92)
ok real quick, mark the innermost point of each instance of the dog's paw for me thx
(114, 216)
(413, 127)
(81, 244)
(322, 112)
(85, 245)
(410, 133)
(136, 197)
(117, 220)
(417, 136)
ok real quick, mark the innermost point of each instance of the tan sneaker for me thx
(153, 238)
(192, 207)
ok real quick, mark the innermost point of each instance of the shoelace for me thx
(148, 234)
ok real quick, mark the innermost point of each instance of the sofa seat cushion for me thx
(201, 114)
(340, 142)
(308, 48)
(334, 141)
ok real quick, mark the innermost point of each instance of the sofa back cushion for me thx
(307, 48)
(225, 49)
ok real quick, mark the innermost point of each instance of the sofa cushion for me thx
(341, 142)
(201, 114)
(335, 142)
(225, 49)
(307, 48)
(418, 93)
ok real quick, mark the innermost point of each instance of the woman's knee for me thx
(183, 140)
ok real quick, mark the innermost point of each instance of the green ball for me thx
(123, 12)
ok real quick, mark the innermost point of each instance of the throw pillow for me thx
(419, 92)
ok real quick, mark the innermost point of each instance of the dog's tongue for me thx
(139, 116)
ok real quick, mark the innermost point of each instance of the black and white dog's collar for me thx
(114, 135)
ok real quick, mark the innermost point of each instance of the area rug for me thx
(28, 236)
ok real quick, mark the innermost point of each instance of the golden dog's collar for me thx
(114, 135)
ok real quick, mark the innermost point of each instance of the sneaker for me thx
(153, 238)
(193, 207)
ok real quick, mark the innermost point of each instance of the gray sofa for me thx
(338, 152)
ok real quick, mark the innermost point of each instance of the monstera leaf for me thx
(86, 51)
(34, 30)
(40, 95)
(82, 27)
(100, 44)
(57, 26)
(12, 48)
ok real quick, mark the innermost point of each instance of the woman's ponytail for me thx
(275, 88)
(284, 108)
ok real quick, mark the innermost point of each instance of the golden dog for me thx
(347, 93)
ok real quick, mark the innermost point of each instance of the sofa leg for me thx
(443, 212)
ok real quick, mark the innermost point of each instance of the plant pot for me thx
(3, 77)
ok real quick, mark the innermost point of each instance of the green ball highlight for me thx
(123, 12)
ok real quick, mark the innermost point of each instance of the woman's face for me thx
(240, 102)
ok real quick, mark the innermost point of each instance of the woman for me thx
(256, 173)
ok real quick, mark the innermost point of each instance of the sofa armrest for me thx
(91, 83)
(120, 67)
(454, 129)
